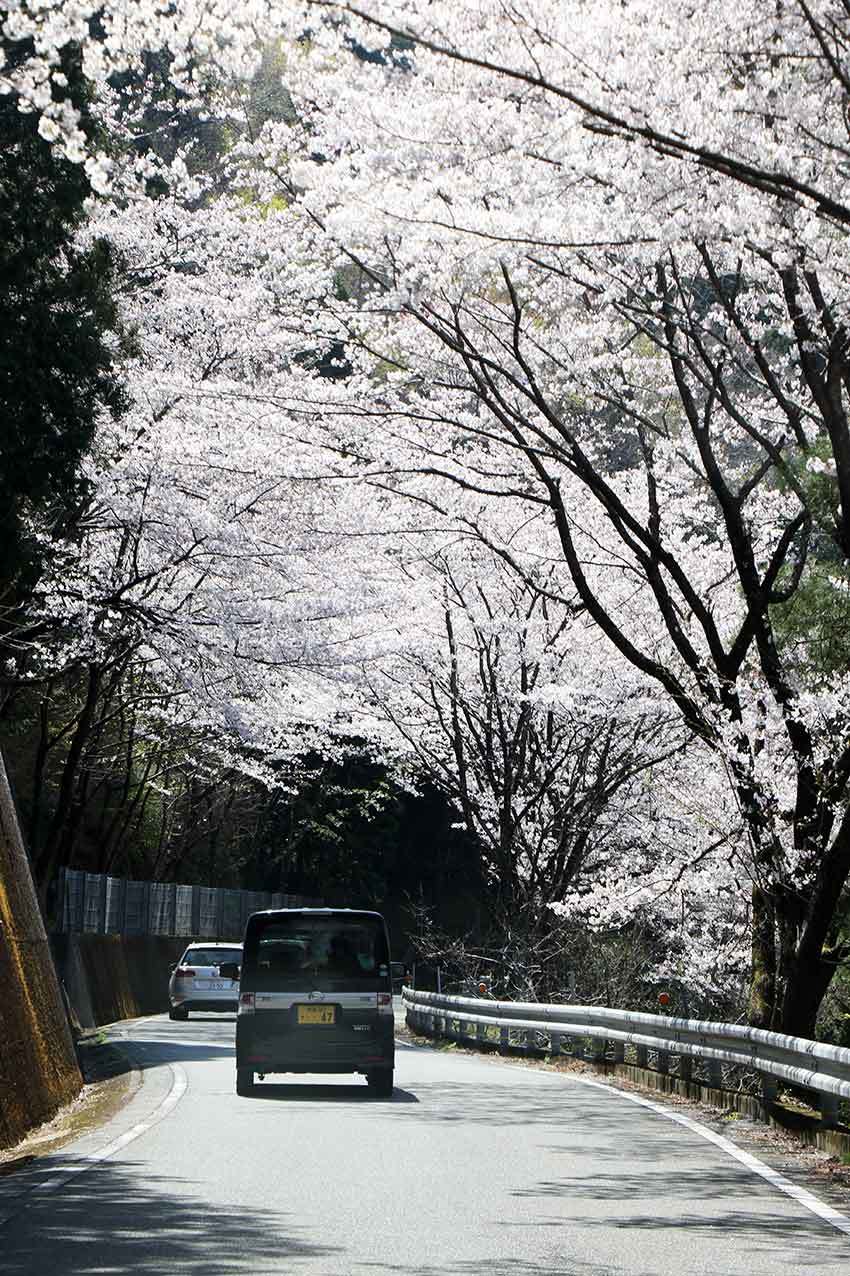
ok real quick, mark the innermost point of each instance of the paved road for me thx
(475, 1166)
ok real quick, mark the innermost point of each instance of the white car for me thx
(196, 982)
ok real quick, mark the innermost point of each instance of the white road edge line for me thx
(800, 1194)
(179, 1085)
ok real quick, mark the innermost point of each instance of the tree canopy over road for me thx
(487, 405)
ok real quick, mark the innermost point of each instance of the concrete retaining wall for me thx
(112, 977)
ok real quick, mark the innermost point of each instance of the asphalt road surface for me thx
(474, 1166)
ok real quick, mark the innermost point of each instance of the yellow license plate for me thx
(316, 1014)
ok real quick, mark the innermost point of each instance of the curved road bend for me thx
(475, 1166)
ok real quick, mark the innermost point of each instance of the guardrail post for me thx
(641, 1056)
(828, 1110)
(504, 1039)
(597, 1049)
(663, 1062)
(714, 1069)
(619, 1051)
(555, 1039)
(769, 1089)
(686, 1068)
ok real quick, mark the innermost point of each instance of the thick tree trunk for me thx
(804, 991)
(763, 984)
(819, 949)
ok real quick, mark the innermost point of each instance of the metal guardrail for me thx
(95, 903)
(814, 1065)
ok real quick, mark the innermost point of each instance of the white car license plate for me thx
(209, 985)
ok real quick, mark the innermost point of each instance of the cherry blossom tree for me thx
(645, 300)
(548, 771)
(588, 261)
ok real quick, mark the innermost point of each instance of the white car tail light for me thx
(385, 1003)
(246, 1003)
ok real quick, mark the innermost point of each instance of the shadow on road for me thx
(650, 1184)
(153, 1054)
(562, 1266)
(109, 1220)
(555, 1107)
(102, 1055)
(297, 1092)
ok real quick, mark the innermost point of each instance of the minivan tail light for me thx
(185, 974)
(246, 1003)
(385, 1003)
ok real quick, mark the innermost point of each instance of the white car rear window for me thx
(210, 956)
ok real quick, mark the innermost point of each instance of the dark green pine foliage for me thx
(58, 330)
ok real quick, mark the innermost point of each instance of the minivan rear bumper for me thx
(268, 1047)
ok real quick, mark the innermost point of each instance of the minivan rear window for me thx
(303, 950)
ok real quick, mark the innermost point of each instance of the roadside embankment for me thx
(38, 1066)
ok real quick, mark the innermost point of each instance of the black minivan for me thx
(315, 995)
